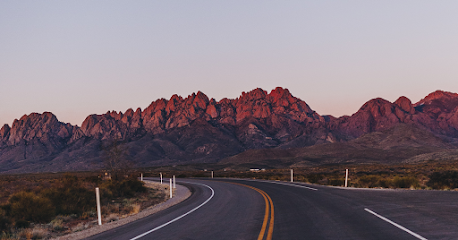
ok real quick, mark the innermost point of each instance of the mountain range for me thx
(257, 128)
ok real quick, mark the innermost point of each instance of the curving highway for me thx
(252, 209)
(230, 212)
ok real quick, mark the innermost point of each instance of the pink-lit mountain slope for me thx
(197, 129)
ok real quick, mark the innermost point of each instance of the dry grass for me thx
(37, 232)
(400, 175)
(135, 209)
(112, 210)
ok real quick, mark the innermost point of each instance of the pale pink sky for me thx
(84, 57)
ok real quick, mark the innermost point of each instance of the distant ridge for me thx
(197, 129)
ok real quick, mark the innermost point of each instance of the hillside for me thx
(273, 126)
(401, 143)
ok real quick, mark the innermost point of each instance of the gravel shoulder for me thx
(180, 194)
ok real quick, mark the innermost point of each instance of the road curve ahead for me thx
(348, 213)
(215, 210)
(252, 209)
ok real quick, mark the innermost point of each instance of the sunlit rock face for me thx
(43, 127)
(437, 113)
(198, 129)
(277, 114)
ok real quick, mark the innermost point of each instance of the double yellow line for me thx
(269, 208)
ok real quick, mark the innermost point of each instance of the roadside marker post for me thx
(346, 177)
(141, 177)
(171, 188)
(97, 198)
(292, 176)
(212, 174)
(161, 178)
(174, 182)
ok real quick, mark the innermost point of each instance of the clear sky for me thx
(76, 58)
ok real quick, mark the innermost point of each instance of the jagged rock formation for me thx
(199, 129)
(438, 113)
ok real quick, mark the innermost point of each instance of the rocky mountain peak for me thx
(252, 95)
(280, 92)
(4, 134)
(282, 97)
(197, 128)
(377, 107)
(38, 126)
(172, 103)
(200, 100)
(438, 101)
(405, 104)
(375, 115)
(439, 94)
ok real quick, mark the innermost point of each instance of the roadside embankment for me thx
(180, 193)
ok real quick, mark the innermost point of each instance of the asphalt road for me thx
(234, 212)
(219, 209)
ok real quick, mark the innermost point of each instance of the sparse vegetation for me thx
(123, 188)
(430, 175)
(115, 159)
(70, 197)
(41, 206)
(443, 180)
(56, 192)
(27, 206)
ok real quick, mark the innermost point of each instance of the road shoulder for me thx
(180, 194)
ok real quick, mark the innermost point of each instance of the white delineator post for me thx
(97, 199)
(161, 178)
(174, 182)
(171, 188)
(141, 177)
(212, 174)
(346, 177)
(292, 176)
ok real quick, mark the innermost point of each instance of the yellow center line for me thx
(269, 203)
(271, 224)
(266, 217)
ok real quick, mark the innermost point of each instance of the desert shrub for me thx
(30, 207)
(441, 180)
(32, 233)
(88, 214)
(123, 188)
(57, 224)
(273, 177)
(385, 183)
(314, 178)
(370, 181)
(93, 179)
(301, 178)
(405, 182)
(22, 223)
(71, 197)
(4, 222)
(335, 182)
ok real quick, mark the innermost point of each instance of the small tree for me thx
(115, 160)
(4, 222)
(71, 197)
(30, 207)
(445, 179)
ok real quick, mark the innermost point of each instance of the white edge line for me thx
(295, 185)
(178, 218)
(281, 183)
(395, 224)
